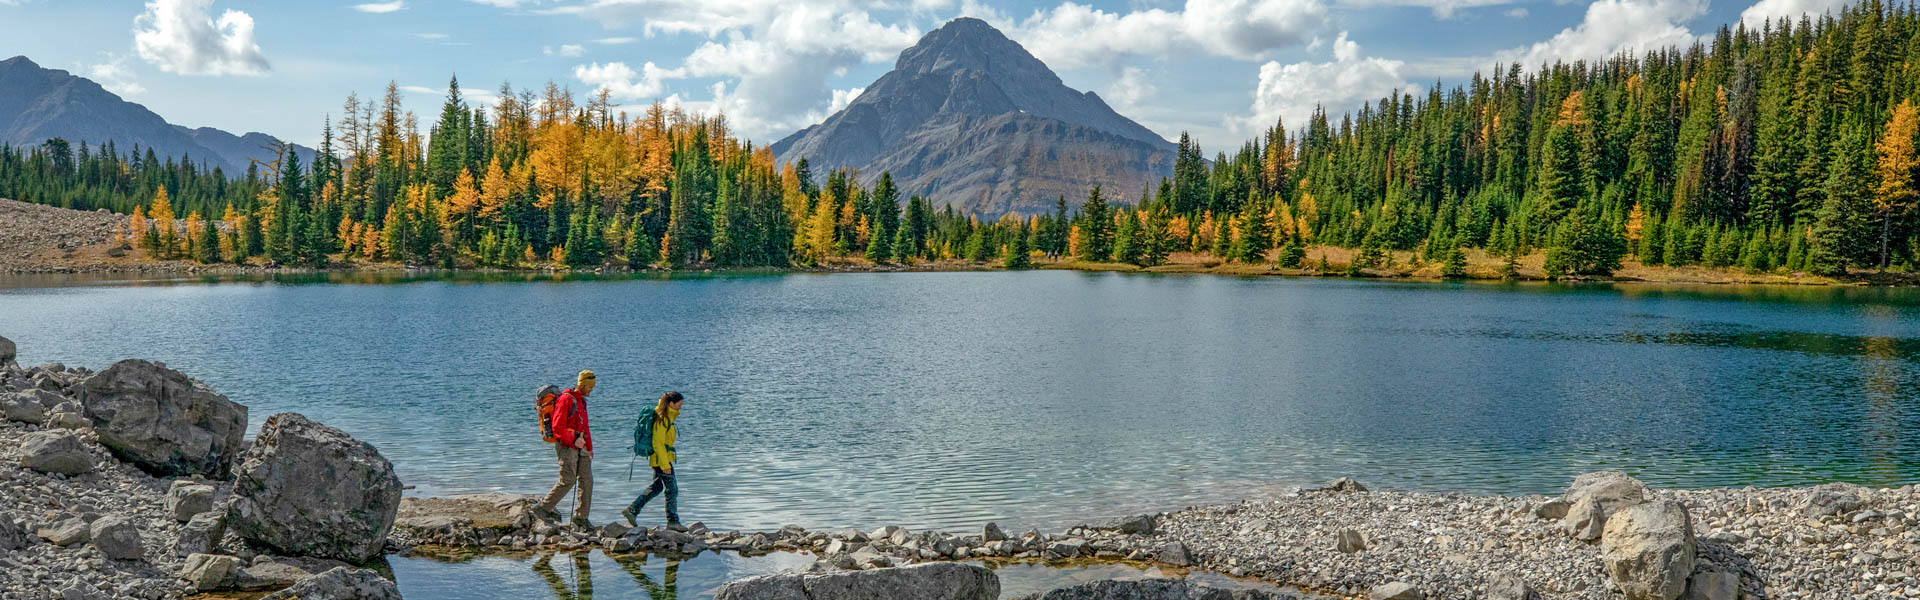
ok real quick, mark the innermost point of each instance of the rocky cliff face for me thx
(38, 103)
(968, 117)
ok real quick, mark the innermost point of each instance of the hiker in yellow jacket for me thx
(653, 437)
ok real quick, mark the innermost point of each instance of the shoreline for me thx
(70, 242)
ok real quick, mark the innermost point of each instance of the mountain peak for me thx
(38, 103)
(969, 43)
(969, 118)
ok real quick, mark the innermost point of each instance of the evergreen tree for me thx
(1096, 228)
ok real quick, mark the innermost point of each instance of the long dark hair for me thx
(660, 409)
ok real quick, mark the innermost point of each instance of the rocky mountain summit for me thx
(37, 103)
(970, 118)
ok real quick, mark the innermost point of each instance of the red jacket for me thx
(569, 417)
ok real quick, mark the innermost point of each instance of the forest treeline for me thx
(1787, 147)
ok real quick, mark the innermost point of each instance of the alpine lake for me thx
(1031, 399)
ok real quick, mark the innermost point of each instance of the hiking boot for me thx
(628, 513)
(676, 526)
(582, 523)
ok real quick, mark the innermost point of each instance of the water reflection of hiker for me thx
(573, 445)
(582, 588)
(653, 437)
(668, 586)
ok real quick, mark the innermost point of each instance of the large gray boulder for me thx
(306, 489)
(162, 421)
(341, 583)
(1648, 550)
(7, 353)
(1154, 589)
(55, 452)
(1595, 496)
(115, 537)
(931, 581)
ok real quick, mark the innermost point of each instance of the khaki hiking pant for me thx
(575, 467)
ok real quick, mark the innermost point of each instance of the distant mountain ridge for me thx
(37, 104)
(968, 117)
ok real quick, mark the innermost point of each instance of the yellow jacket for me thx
(663, 438)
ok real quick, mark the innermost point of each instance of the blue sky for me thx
(1221, 69)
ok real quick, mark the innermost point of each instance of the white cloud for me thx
(432, 36)
(621, 82)
(775, 60)
(842, 98)
(1517, 13)
(1442, 9)
(381, 8)
(473, 96)
(614, 41)
(1764, 10)
(568, 50)
(1291, 92)
(179, 36)
(1131, 90)
(115, 76)
(1611, 27)
(1074, 35)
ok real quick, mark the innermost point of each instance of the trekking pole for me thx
(630, 468)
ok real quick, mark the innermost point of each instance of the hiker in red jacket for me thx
(573, 444)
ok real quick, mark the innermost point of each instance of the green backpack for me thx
(643, 434)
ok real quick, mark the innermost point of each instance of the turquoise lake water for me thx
(946, 400)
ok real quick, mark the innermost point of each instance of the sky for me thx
(1223, 70)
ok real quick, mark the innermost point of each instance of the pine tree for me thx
(1842, 217)
(1018, 255)
(1096, 228)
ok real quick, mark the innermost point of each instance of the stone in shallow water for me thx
(341, 583)
(931, 581)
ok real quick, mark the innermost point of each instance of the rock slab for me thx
(931, 581)
(1153, 589)
(340, 583)
(306, 489)
(161, 420)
